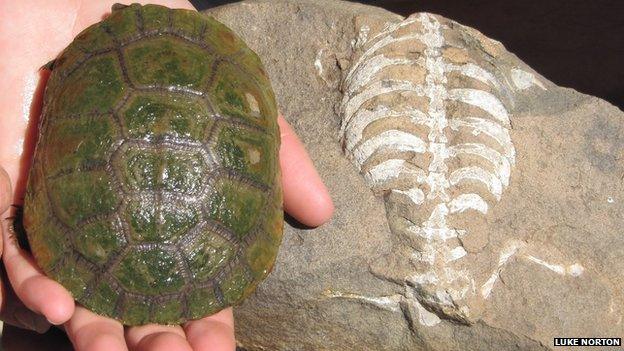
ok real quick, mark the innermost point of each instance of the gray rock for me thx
(538, 259)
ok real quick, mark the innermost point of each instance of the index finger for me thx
(305, 196)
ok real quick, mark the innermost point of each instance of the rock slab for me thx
(530, 246)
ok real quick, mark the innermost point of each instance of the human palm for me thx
(31, 34)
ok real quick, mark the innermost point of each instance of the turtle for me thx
(154, 194)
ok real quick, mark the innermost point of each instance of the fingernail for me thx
(32, 321)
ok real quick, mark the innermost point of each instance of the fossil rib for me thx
(431, 128)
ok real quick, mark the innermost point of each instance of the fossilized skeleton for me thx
(426, 123)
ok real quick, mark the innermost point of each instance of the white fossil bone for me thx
(448, 139)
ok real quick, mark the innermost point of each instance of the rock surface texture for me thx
(478, 206)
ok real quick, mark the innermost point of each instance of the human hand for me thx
(12, 311)
(32, 33)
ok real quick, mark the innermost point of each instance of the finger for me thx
(38, 292)
(305, 196)
(215, 332)
(21, 317)
(5, 198)
(91, 332)
(5, 192)
(15, 313)
(154, 337)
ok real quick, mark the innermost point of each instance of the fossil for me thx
(426, 122)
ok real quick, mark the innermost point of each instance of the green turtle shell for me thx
(154, 194)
